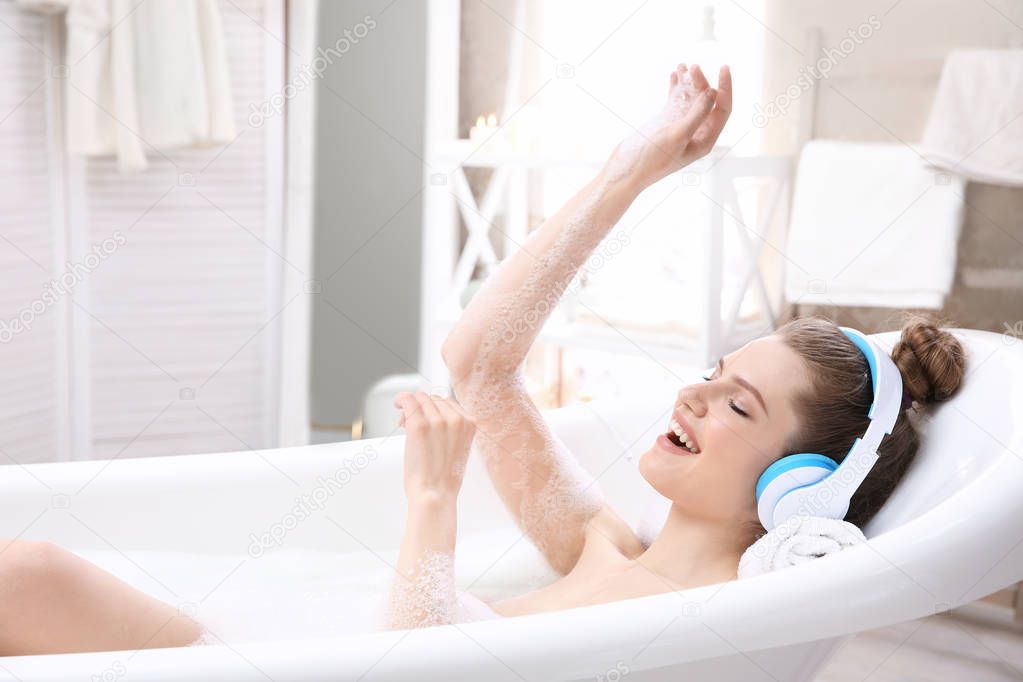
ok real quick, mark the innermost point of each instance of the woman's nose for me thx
(691, 396)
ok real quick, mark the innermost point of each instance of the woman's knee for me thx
(34, 577)
(52, 600)
(29, 564)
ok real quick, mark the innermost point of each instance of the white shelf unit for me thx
(447, 269)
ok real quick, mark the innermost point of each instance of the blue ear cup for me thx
(787, 475)
(817, 466)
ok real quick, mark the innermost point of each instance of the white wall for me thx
(368, 206)
(912, 34)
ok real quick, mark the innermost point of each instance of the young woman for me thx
(804, 388)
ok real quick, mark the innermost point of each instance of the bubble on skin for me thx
(564, 502)
(542, 508)
(205, 638)
(680, 101)
(427, 597)
(553, 512)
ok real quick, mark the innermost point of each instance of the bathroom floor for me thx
(978, 643)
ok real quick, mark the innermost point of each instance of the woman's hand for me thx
(684, 131)
(438, 433)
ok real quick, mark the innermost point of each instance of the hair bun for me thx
(931, 360)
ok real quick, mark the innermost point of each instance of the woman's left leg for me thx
(53, 601)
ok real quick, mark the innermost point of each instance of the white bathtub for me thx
(950, 535)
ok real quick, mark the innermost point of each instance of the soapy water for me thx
(303, 593)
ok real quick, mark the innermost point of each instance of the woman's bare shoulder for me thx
(608, 527)
(608, 545)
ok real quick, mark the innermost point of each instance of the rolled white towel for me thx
(797, 540)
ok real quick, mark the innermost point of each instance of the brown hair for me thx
(834, 411)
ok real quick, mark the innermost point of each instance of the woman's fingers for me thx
(414, 408)
(725, 89)
(452, 412)
(696, 115)
(407, 403)
(427, 405)
(420, 406)
(444, 408)
(402, 400)
(699, 80)
(417, 411)
(710, 130)
(676, 77)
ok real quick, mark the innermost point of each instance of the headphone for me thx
(811, 484)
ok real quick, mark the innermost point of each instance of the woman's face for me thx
(718, 482)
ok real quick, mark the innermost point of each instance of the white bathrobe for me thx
(143, 76)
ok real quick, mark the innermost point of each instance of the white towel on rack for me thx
(144, 76)
(975, 127)
(872, 225)
(796, 541)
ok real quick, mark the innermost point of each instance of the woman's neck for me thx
(694, 551)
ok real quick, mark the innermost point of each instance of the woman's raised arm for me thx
(539, 481)
(437, 438)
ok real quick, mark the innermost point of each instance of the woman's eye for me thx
(731, 404)
(736, 408)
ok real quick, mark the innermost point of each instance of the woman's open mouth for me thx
(680, 437)
(670, 441)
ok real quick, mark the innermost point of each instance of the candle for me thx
(487, 135)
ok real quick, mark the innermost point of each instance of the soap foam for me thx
(680, 100)
(426, 596)
(554, 507)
